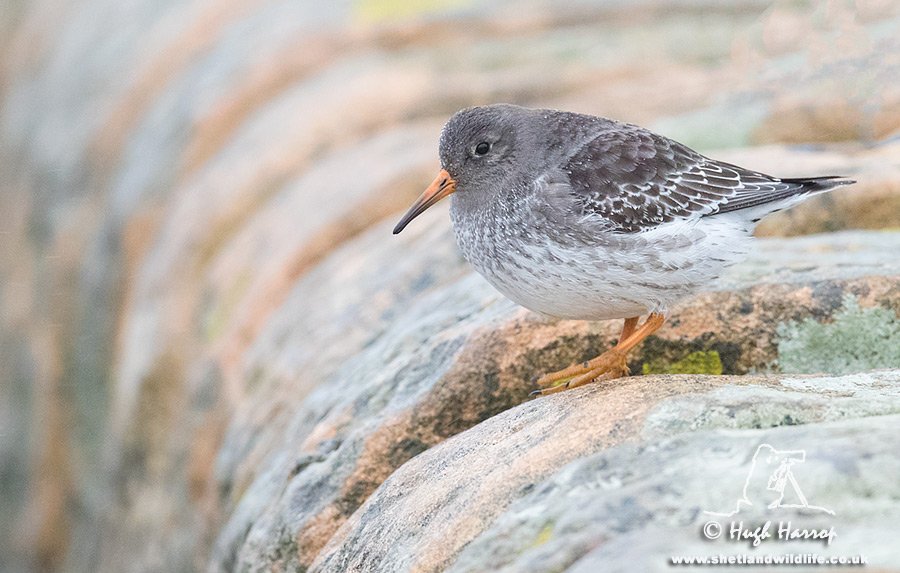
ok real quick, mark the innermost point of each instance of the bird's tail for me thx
(801, 189)
(820, 184)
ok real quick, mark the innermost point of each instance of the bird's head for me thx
(481, 152)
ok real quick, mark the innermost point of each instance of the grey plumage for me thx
(578, 216)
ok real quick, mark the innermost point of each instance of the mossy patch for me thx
(856, 339)
(700, 362)
(701, 355)
(544, 535)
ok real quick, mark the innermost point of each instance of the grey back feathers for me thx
(628, 177)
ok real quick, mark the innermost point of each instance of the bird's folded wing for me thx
(633, 180)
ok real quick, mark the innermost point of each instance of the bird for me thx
(576, 216)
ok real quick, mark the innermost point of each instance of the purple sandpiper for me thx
(582, 217)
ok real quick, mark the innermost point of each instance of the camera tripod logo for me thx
(771, 482)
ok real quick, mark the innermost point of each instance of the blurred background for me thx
(170, 172)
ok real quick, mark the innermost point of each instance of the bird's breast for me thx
(521, 259)
(559, 273)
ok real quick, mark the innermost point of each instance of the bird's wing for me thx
(634, 180)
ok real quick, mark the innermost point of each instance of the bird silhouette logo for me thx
(769, 480)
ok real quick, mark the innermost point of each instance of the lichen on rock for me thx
(854, 340)
(700, 362)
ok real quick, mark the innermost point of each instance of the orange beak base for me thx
(442, 186)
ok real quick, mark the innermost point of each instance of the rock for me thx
(616, 477)
(453, 355)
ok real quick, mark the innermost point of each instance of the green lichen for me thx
(543, 535)
(856, 339)
(700, 362)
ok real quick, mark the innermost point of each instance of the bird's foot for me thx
(609, 365)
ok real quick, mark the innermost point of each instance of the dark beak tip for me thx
(401, 224)
(442, 186)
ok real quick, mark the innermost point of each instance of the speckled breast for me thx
(604, 277)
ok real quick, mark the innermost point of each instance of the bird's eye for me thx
(482, 148)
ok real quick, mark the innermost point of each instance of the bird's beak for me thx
(442, 186)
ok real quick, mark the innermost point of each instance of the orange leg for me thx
(628, 328)
(611, 364)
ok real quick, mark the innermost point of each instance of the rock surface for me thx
(456, 353)
(618, 477)
(212, 352)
